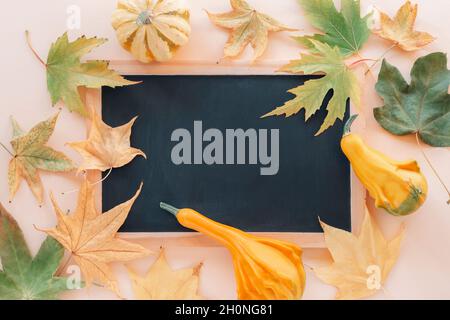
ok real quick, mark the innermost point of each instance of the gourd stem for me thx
(348, 124)
(169, 208)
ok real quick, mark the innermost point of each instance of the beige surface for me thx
(423, 269)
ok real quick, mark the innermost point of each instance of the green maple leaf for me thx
(422, 107)
(338, 77)
(65, 72)
(31, 155)
(345, 29)
(23, 277)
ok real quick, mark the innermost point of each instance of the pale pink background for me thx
(423, 269)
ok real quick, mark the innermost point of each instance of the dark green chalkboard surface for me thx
(313, 177)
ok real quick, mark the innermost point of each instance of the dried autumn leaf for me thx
(151, 30)
(247, 26)
(338, 77)
(31, 155)
(400, 30)
(162, 283)
(65, 72)
(91, 236)
(345, 29)
(422, 107)
(106, 147)
(361, 263)
(23, 277)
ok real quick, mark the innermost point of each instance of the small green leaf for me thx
(345, 29)
(31, 154)
(22, 276)
(65, 72)
(14, 252)
(338, 77)
(422, 106)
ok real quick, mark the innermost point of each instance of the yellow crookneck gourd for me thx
(265, 268)
(398, 187)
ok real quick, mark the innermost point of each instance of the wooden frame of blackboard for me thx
(167, 239)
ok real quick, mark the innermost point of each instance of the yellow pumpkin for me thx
(397, 186)
(151, 29)
(265, 269)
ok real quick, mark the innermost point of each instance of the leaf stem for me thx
(359, 61)
(381, 57)
(27, 36)
(62, 269)
(7, 150)
(308, 266)
(93, 184)
(432, 167)
(104, 178)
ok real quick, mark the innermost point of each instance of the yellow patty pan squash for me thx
(151, 29)
(399, 187)
(265, 269)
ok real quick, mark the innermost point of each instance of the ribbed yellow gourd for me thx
(151, 29)
(265, 268)
(399, 187)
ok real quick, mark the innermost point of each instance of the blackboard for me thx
(313, 177)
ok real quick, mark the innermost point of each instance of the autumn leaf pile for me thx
(88, 236)
(153, 30)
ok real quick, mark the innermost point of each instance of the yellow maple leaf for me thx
(106, 147)
(163, 283)
(361, 263)
(248, 26)
(90, 236)
(401, 31)
(31, 154)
